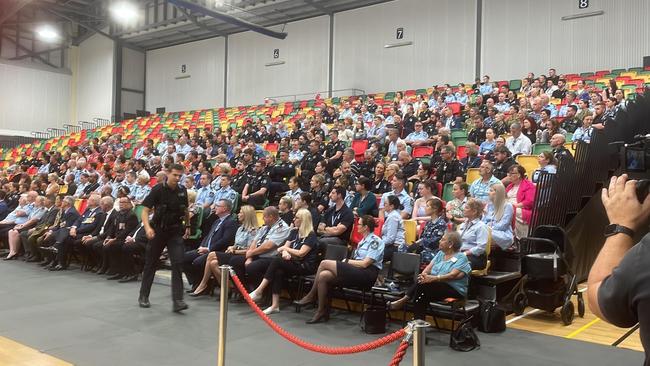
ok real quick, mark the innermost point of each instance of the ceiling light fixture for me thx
(47, 33)
(124, 12)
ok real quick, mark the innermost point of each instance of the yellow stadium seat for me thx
(569, 146)
(410, 229)
(260, 217)
(472, 175)
(529, 162)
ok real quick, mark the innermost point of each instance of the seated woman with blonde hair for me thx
(298, 256)
(499, 216)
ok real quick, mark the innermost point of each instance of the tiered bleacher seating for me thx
(631, 81)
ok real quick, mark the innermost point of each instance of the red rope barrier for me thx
(399, 353)
(315, 347)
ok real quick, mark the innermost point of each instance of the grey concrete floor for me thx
(84, 319)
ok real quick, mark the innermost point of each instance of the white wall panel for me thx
(95, 78)
(304, 51)
(32, 98)
(131, 102)
(443, 50)
(529, 35)
(133, 66)
(203, 88)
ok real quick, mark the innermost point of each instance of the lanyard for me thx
(467, 227)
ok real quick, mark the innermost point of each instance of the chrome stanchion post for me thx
(419, 333)
(223, 314)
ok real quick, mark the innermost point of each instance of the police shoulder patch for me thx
(374, 245)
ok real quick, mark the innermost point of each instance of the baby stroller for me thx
(547, 281)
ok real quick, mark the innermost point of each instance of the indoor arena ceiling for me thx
(160, 23)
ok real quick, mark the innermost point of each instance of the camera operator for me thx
(618, 289)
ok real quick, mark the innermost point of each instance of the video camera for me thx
(635, 161)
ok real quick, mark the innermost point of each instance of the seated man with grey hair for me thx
(68, 216)
(92, 217)
(220, 236)
(251, 267)
(518, 143)
(559, 151)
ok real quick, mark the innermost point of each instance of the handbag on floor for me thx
(492, 318)
(463, 338)
(373, 319)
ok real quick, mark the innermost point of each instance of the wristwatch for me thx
(613, 229)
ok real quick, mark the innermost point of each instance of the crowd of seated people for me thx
(313, 194)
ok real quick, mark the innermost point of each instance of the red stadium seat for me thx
(422, 151)
(271, 147)
(455, 108)
(359, 146)
(82, 206)
(461, 151)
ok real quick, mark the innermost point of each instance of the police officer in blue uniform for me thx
(359, 271)
(171, 219)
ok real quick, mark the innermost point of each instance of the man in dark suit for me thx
(85, 224)
(134, 244)
(220, 236)
(124, 223)
(84, 244)
(108, 246)
(68, 216)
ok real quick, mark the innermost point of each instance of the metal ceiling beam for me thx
(151, 26)
(29, 52)
(68, 9)
(34, 54)
(15, 8)
(94, 29)
(229, 19)
(318, 6)
(197, 23)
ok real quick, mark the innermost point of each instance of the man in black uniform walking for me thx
(171, 219)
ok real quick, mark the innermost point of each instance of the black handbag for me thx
(373, 319)
(492, 318)
(463, 338)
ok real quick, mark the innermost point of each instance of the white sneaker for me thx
(255, 296)
(270, 310)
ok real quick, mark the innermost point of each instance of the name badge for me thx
(121, 226)
(454, 259)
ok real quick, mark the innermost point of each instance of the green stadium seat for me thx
(459, 141)
(539, 148)
(447, 194)
(458, 133)
(515, 84)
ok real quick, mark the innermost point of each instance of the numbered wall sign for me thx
(400, 33)
(183, 68)
(276, 53)
(583, 4)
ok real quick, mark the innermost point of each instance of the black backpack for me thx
(463, 338)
